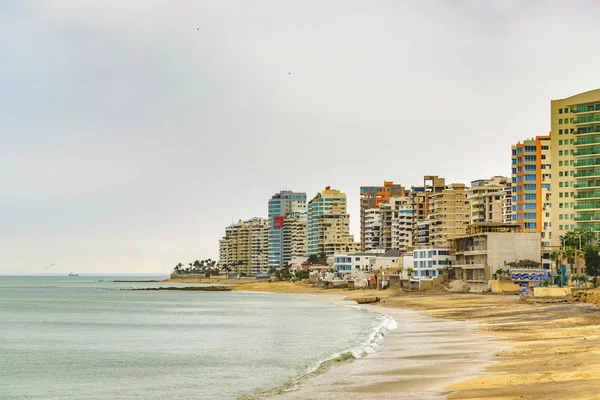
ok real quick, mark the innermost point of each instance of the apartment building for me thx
(575, 138)
(372, 228)
(531, 186)
(371, 197)
(328, 225)
(430, 262)
(244, 247)
(421, 195)
(449, 214)
(287, 227)
(487, 199)
(487, 247)
(507, 203)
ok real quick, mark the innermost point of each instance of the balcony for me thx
(587, 184)
(587, 152)
(588, 119)
(588, 195)
(588, 226)
(469, 266)
(586, 141)
(587, 173)
(589, 162)
(587, 205)
(587, 217)
(585, 109)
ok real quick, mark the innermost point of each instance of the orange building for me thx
(531, 176)
(372, 197)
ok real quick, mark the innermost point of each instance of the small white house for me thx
(430, 262)
(353, 265)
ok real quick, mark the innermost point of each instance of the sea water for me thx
(87, 338)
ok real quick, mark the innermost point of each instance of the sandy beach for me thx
(545, 351)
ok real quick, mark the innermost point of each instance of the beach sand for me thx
(553, 353)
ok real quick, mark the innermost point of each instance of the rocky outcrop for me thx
(191, 288)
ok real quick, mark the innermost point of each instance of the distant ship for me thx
(72, 274)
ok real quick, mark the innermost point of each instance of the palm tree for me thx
(569, 253)
(556, 256)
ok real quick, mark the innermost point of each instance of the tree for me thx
(322, 258)
(524, 264)
(410, 272)
(313, 259)
(592, 263)
(570, 254)
(301, 274)
(556, 256)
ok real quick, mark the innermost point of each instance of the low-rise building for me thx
(430, 262)
(488, 247)
(352, 264)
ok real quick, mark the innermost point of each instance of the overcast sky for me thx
(133, 132)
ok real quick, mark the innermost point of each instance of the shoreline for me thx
(553, 347)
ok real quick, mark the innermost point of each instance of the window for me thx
(530, 186)
(530, 206)
(544, 147)
(529, 215)
(560, 163)
(560, 110)
(560, 153)
(530, 149)
(530, 225)
(560, 131)
(530, 158)
(530, 177)
(560, 121)
(560, 142)
(530, 196)
(529, 168)
(357, 259)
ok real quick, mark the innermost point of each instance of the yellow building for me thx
(575, 138)
(449, 214)
(487, 199)
(328, 225)
(244, 248)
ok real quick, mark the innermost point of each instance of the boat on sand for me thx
(367, 300)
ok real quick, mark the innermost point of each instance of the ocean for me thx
(87, 338)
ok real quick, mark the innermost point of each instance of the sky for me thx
(132, 132)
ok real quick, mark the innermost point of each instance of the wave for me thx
(369, 346)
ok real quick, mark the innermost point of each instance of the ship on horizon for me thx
(73, 274)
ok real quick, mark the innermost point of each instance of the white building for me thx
(372, 228)
(430, 262)
(353, 265)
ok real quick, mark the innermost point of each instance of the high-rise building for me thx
(403, 223)
(575, 193)
(507, 203)
(449, 214)
(432, 184)
(371, 197)
(244, 247)
(372, 230)
(328, 227)
(487, 199)
(287, 227)
(531, 177)
(397, 223)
